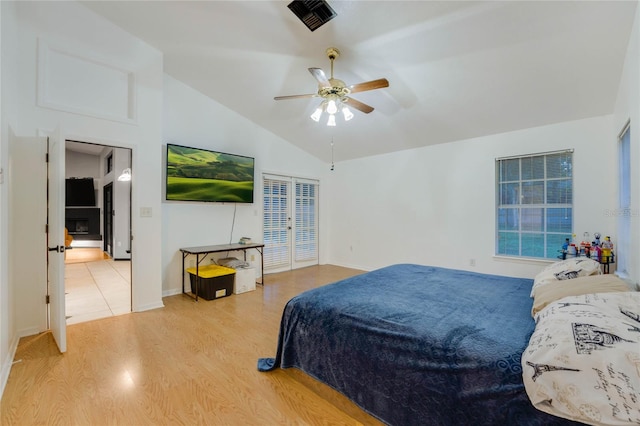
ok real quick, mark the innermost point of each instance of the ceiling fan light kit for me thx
(317, 114)
(335, 93)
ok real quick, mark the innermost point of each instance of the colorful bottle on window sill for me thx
(565, 249)
(596, 237)
(607, 249)
(595, 251)
(585, 245)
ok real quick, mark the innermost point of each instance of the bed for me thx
(413, 344)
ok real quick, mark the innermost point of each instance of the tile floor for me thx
(97, 289)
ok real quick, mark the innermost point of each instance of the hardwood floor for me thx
(190, 363)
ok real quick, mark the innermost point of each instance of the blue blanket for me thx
(415, 344)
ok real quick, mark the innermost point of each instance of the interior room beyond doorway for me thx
(98, 221)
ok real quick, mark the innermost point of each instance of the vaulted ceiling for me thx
(456, 69)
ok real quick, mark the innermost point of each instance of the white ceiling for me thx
(85, 148)
(456, 69)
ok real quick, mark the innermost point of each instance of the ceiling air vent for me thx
(313, 13)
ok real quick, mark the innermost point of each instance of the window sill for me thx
(524, 260)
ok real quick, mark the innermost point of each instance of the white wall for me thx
(192, 119)
(436, 205)
(628, 108)
(4, 297)
(72, 34)
(121, 159)
(121, 206)
(8, 334)
(81, 165)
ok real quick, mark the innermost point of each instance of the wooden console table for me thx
(206, 250)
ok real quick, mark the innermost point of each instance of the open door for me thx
(55, 238)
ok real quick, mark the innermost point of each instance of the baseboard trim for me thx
(8, 363)
(148, 307)
(350, 266)
(171, 292)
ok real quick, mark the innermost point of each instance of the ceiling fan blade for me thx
(369, 85)
(319, 75)
(310, 95)
(358, 105)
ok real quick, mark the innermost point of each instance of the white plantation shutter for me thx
(306, 226)
(290, 222)
(276, 222)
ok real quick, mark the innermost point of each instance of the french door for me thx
(290, 222)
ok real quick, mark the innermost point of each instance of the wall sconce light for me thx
(125, 176)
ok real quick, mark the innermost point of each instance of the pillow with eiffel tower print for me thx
(583, 359)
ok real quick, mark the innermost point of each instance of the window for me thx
(624, 216)
(109, 164)
(534, 212)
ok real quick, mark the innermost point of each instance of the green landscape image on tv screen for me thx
(201, 175)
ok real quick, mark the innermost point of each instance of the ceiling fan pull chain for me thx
(331, 153)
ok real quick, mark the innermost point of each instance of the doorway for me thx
(290, 222)
(98, 265)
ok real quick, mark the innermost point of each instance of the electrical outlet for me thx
(472, 262)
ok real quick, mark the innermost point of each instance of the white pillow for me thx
(582, 362)
(565, 270)
(546, 294)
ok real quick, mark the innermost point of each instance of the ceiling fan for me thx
(335, 93)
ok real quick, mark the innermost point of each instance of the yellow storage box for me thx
(212, 281)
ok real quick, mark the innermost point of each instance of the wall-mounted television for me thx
(79, 192)
(195, 174)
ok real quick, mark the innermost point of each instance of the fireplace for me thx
(83, 223)
(77, 226)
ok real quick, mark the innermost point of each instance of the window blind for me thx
(534, 212)
(276, 222)
(306, 238)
